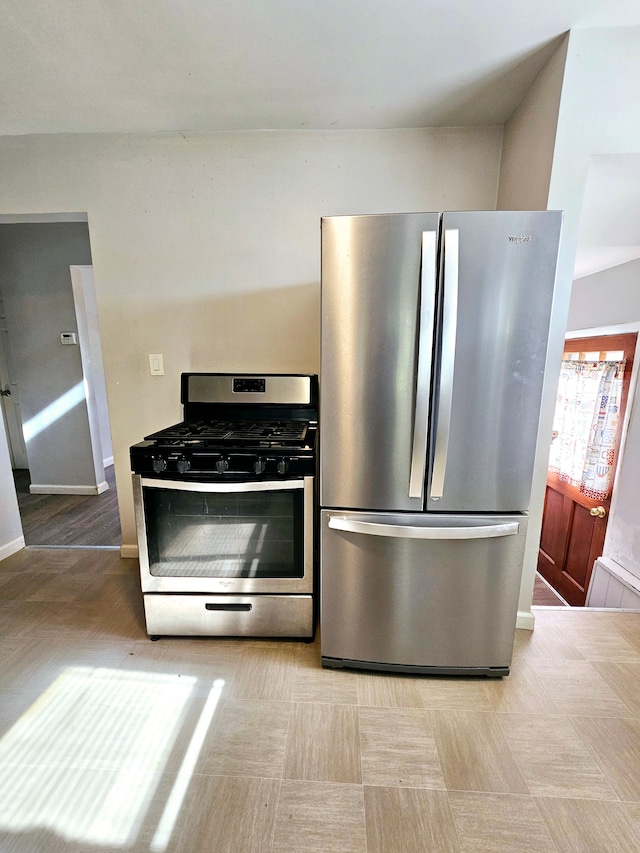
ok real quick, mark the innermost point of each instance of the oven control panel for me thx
(211, 465)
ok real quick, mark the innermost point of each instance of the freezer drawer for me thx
(418, 593)
(229, 615)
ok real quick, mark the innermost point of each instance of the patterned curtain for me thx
(586, 420)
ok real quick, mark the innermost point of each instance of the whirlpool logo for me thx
(520, 238)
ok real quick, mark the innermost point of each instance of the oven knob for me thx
(282, 466)
(222, 465)
(159, 464)
(259, 466)
(183, 465)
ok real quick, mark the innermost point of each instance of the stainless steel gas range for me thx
(224, 507)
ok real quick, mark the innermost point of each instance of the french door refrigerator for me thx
(434, 338)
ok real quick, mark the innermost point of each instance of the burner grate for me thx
(224, 431)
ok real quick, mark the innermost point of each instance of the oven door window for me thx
(224, 535)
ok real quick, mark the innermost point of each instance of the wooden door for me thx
(574, 525)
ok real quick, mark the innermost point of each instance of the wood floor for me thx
(544, 595)
(69, 520)
(111, 742)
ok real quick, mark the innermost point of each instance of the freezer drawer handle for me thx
(399, 531)
(232, 607)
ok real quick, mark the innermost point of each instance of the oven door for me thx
(241, 537)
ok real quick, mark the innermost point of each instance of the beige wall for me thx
(207, 248)
(529, 140)
(525, 174)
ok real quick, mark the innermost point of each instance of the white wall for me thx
(623, 531)
(207, 248)
(607, 298)
(600, 115)
(38, 301)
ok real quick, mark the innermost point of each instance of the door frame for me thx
(620, 329)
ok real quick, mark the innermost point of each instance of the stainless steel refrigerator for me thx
(434, 338)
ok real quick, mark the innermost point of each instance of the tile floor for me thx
(110, 742)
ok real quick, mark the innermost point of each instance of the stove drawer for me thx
(229, 615)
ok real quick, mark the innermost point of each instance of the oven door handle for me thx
(406, 531)
(244, 486)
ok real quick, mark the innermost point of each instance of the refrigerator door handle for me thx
(401, 531)
(450, 247)
(423, 374)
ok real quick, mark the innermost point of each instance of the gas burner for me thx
(226, 433)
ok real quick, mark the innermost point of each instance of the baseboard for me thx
(525, 620)
(45, 489)
(129, 552)
(11, 548)
(107, 463)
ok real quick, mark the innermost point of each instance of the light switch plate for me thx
(156, 364)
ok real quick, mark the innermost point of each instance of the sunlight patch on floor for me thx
(84, 760)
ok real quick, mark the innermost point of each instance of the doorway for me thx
(590, 413)
(63, 473)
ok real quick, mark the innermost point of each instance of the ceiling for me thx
(91, 66)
